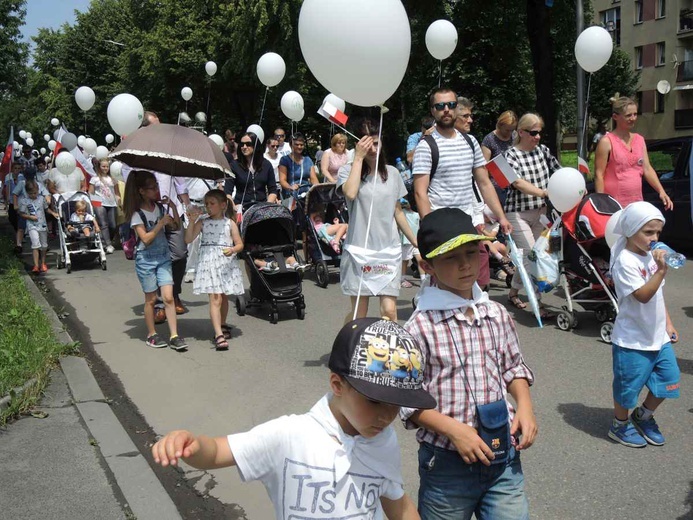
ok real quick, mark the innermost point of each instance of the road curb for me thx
(144, 493)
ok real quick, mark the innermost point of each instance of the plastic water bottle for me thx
(555, 241)
(403, 170)
(671, 257)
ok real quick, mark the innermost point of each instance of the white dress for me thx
(215, 272)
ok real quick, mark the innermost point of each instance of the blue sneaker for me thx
(648, 429)
(627, 435)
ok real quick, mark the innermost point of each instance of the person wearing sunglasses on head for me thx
(526, 200)
(272, 155)
(283, 148)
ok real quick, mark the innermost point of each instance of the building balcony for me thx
(685, 23)
(683, 119)
(685, 71)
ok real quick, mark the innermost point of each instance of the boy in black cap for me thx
(469, 445)
(341, 459)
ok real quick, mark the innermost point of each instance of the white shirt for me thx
(639, 326)
(275, 164)
(313, 470)
(198, 188)
(284, 150)
(66, 183)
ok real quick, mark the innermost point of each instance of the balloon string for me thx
(209, 96)
(370, 211)
(586, 117)
(85, 122)
(264, 100)
(440, 73)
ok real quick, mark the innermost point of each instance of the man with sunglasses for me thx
(283, 148)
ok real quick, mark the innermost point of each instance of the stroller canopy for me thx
(325, 193)
(587, 221)
(267, 224)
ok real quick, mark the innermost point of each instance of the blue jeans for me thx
(450, 489)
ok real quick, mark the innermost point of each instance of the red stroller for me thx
(585, 275)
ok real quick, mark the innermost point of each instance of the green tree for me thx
(13, 52)
(617, 76)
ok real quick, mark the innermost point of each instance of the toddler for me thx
(81, 223)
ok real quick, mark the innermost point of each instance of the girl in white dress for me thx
(217, 272)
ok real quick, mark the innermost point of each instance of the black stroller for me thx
(268, 232)
(323, 198)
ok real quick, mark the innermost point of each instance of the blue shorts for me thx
(154, 269)
(634, 369)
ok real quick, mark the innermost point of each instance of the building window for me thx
(661, 54)
(638, 99)
(638, 11)
(611, 21)
(659, 103)
(661, 8)
(638, 58)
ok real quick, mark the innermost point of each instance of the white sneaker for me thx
(189, 277)
(110, 250)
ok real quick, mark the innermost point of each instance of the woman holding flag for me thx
(533, 164)
(372, 258)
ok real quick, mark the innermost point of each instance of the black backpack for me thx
(435, 156)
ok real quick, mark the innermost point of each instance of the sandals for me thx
(515, 300)
(226, 330)
(220, 343)
(546, 314)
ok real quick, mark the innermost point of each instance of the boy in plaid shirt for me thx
(469, 460)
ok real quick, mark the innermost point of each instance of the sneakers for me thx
(297, 267)
(35, 270)
(155, 341)
(110, 250)
(627, 435)
(648, 429)
(270, 268)
(44, 268)
(178, 344)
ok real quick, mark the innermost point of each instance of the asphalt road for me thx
(572, 472)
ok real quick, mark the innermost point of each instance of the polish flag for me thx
(83, 163)
(6, 165)
(333, 114)
(501, 171)
(583, 166)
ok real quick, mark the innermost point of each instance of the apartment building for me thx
(658, 36)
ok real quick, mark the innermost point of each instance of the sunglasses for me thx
(452, 105)
(533, 133)
(274, 146)
(280, 136)
(246, 143)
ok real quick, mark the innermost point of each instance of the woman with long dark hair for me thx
(372, 258)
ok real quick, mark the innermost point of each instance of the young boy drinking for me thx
(469, 459)
(315, 465)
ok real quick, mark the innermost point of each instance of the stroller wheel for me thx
(274, 317)
(601, 314)
(300, 312)
(60, 263)
(103, 265)
(606, 330)
(565, 320)
(68, 268)
(322, 274)
(240, 305)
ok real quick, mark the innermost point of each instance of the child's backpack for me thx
(132, 241)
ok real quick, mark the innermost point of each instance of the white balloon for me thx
(56, 134)
(55, 121)
(51, 145)
(85, 98)
(109, 138)
(65, 163)
(125, 114)
(271, 69)
(29, 142)
(365, 60)
(15, 145)
(116, 169)
(186, 93)
(218, 140)
(211, 68)
(69, 141)
(28, 135)
(90, 146)
(335, 101)
(46, 137)
(258, 131)
(566, 188)
(292, 104)
(593, 48)
(441, 39)
(22, 134)
(43, 151)
(101, 152)
(609, 234)
(300, 115)
(80, 141)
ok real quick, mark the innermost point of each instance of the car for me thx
(672, 159)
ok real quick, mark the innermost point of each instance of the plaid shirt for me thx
(488, 349)
(535, 166)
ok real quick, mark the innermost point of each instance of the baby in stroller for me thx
(81, 223)
(332, 234)
(502, 267)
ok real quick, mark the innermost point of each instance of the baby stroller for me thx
(82, 249)
(585, 275)
(268, 231)
(320, 252)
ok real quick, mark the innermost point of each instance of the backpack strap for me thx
(475, 188)
(435, 154)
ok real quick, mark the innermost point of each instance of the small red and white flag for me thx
(333, 114)
(583, 166)
(501, 171)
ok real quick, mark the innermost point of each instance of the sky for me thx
(50, 13)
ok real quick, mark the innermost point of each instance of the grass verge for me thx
(28, 347)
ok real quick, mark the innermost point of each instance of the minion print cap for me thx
(381, 361)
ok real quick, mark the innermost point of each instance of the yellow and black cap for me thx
(445, 229)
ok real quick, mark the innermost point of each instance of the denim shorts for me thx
(635, 369)
(154, 269)
(450, 488)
